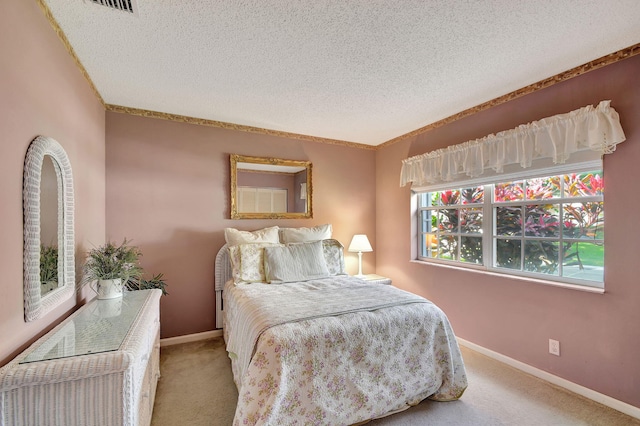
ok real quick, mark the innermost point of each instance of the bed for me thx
(329, 349)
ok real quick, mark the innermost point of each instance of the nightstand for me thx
(377, 279)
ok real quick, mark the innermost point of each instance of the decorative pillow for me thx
(247, 263)
(301, 235)
(334, 256)
(252, 262)
(235, 237)
(234, 259)
(295, 262)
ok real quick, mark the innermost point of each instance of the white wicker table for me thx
(100, 366)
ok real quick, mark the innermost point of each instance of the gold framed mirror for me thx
(270, 188)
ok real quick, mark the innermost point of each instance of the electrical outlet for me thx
(554, 347)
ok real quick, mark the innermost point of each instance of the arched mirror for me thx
(270, 188)
(49, 259)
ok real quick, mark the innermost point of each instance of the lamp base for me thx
(360, 274)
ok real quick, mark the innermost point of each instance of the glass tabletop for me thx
(101, 326)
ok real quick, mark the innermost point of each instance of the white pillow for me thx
(235, 237)
(294, 262)
(334, 256)
(247, 263)
(302, 235)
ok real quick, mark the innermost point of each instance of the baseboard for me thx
(188, 338)
(623, 407)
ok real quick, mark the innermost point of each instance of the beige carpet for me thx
(196, 389)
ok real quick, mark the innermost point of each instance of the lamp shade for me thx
(360, 243)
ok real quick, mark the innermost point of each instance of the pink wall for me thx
(168, 191)
(42, 93)
(599, 334)
(267, 180)
(48, 204)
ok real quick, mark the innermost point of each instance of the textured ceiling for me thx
(363, 71)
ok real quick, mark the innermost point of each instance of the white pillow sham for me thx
(301, 235)
(294, 262)
(334, 256)
(247, 263)
(236, 264)
(236, 237)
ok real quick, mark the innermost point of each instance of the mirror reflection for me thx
(270, 188)
(49, 279)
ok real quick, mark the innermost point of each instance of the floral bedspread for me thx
(348, 368)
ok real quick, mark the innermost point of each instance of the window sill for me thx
(587, 289)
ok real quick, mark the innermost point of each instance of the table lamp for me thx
(360, 243)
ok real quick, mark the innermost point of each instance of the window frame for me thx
(489, 235)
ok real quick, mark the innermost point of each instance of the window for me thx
(544, 227)
(261, 200)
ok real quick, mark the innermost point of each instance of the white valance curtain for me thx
(556, 138)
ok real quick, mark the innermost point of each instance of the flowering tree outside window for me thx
(551, 226)
(455, 225)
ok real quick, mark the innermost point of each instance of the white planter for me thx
(109, 289)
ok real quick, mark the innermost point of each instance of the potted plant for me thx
(139, 283)
(48, 268)
(116, 267)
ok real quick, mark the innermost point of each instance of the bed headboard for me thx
(222, 271)
(222, 268)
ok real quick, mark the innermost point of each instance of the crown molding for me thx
(542, 84)
(63, 38)
(230, 126)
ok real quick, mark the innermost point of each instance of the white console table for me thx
(100, 367)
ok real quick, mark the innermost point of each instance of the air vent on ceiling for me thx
(123, 5)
